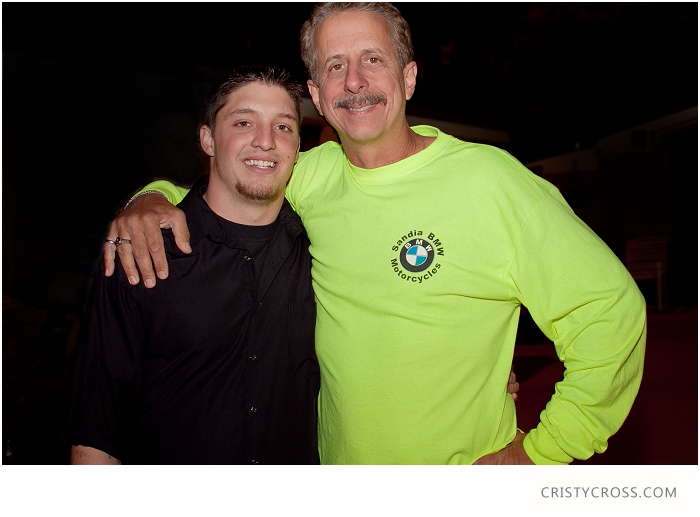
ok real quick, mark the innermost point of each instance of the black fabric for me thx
(210, 366)
(255, 239)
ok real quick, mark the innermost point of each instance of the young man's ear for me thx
(206, 140)
(313, 90)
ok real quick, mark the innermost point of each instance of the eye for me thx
(374, 60)
(284, 127)
(242, 123)
(336, 67)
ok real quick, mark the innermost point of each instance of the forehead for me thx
(260, 98)
(345, 32)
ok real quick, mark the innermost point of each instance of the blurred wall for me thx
(638, 182)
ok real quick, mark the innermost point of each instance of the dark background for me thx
(99, 98)
(90, 90)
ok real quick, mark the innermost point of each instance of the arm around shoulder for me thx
(138, 228)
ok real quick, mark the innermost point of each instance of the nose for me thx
(264, 138)
(355, 81)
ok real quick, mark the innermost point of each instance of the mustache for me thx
(359, 99)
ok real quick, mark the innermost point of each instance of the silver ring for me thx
(120, 240)
(111, 241)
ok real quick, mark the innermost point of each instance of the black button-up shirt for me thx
(215, 364)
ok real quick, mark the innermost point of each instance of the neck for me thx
(228, 203)
(384, 150)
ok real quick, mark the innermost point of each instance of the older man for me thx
(424, 249)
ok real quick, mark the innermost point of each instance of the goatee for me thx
(257, 191)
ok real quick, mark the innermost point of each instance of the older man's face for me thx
(363, 90)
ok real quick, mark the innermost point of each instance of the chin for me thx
(363, 137)
(258, 191)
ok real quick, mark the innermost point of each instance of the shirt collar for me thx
(202, 222)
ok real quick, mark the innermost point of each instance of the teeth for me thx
(364, 108)
(261, 163)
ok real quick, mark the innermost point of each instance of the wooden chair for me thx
(645, 259)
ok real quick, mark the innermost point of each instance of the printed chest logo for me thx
(415, 256)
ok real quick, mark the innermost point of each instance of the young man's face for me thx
(363, 90)
(256, 142)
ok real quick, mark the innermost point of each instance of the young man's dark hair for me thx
(245, 74)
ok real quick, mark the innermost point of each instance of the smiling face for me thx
(254, 145)
(362, 90)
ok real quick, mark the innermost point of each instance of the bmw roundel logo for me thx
(416, 255)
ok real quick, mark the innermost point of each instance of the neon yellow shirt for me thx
(420, 269)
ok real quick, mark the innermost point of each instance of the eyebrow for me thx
(248, 111)
(371, 50)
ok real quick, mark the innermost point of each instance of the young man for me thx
(424, 248)
(219, 366)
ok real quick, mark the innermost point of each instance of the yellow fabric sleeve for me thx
(172, 192)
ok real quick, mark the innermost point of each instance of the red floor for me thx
(662, 428)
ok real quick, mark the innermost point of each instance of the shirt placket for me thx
(253, 402)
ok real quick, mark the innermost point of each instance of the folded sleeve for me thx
(174, 193)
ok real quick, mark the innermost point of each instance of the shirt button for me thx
(254, 462)
(253, 357)
(253, 409)
(247, 258)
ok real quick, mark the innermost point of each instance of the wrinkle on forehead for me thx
(343, 27)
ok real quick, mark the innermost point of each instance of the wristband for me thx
(143, 193)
